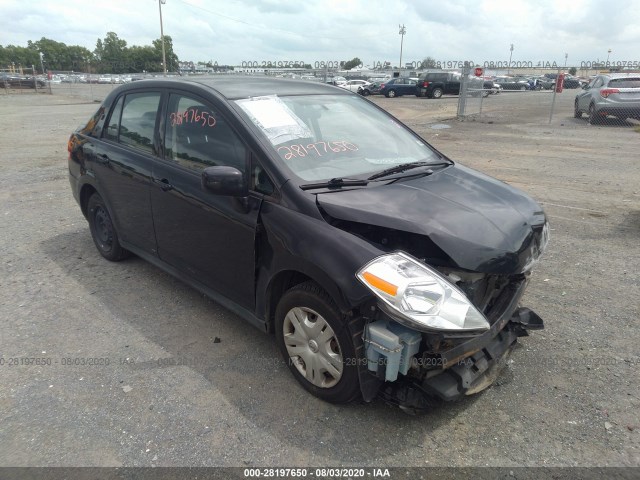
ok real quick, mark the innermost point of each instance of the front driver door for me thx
(209, 237)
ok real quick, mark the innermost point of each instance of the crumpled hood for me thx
(481, 223)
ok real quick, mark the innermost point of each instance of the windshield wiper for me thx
(335, 183)
(405, 166)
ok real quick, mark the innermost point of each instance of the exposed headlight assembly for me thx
(419, 296)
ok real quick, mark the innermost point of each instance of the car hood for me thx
(480, 223)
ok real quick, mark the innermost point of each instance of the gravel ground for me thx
(176, 380)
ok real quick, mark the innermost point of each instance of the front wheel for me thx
(315, 342)
(523, 88)
(103, 231)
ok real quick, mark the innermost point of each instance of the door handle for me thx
(103, 158)
(165, 186)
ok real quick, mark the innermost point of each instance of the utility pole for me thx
(510, 55)
(402, 32)
(164, 58)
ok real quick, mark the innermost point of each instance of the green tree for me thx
(172, 58)
(573, 71)
(355, 62)
(428, 62)
(110, 54)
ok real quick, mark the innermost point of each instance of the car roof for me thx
(621, 75)
(234, 87)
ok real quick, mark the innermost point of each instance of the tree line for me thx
(111, 55)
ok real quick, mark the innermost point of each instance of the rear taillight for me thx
(382, 85)
(605, 92)
(425, 84)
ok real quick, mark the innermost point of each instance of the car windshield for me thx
(320, 137)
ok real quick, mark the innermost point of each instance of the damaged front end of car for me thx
(434, 335)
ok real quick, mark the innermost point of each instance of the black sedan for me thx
(383, 267)
(20, 81)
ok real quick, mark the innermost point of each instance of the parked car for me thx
(337, 81)
(514, 83)
(436, 84)
(569, 80)
(8, 80)
(354, 85)
(373, 88)
(396, 87)
(382, 266)
(616, 94)
(491, 87)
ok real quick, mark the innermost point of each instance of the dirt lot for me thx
(571, 395)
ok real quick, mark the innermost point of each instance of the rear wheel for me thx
(576, 111)
(391, 93)
(366, 92)
(314, 339)
(103, 232)
(436, 93)
(593, 115)
(523, 88)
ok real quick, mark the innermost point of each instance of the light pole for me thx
(164, 58)
(41, 62)
(608, 53)
(402, 32)
(566, 55)
(510, 54)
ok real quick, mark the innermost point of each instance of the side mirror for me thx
(585, 86)
(224, 180)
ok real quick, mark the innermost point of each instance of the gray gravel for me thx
(190, 384)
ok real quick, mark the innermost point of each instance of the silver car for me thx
(616, 94)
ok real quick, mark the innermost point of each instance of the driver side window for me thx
(197, 136)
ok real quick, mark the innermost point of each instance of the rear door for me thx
(452, 86)
(121, 162)
(209, 237)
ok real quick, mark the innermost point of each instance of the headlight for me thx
(420, 296)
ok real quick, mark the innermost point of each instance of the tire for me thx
(314, 340)
(576, 111)
(366, 92)
(523, 88)
(391, 94)
(436, 93)
(594, 118)
(103, 232)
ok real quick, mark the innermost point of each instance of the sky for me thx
(235, 31)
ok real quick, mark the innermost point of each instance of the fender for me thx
(305, 251)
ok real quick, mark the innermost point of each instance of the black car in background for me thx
(396, 87)
(568, 81)
(436, 84)
(383, 267)
(20, 81)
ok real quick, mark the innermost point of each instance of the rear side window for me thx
(111, 132)
(625, 83)
(137, 124)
